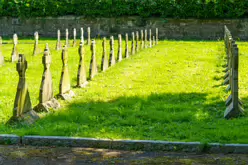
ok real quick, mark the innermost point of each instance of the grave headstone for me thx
(153, 40)
(156, 36)
(234, 108)
(137, 41)
(145, 38)
(58, 44)
(93, 64)
(82, 35)
(67, 38)
(142, 39)
(46, 97)
(104, 65)
(133, 46)
(65, 91)
(81, 75)
(127, 48)
(119, 48)
(89, 36)
(14, 54)
(74, 37)
(36, 40)
(112, 52)
(150, 38)
(22, 106)
(1, 55)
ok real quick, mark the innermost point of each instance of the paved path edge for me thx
(144, 145)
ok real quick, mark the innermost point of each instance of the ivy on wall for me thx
(113, 8)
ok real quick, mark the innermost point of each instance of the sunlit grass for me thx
(171, 92)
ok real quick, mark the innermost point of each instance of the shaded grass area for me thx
(171, 92)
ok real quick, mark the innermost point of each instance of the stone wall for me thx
(168, 28)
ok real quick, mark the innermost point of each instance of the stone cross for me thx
(145, 38)
(36, 40)
(133, 47)
(156, 36)
(65, 91)
(14, 54)
(234, 107)
(153, 40)
(1, 56)
(119, 48)
(104, 65)
(58, 44)
(82, 35)
(88, 35)
(150, 37)
(112, 52)
(142, 39)
(22, 105)
(137, 41)
(93, 64)
(67, 38)
(127, 48)
(74, 37)
(81, 75)
(46, 97)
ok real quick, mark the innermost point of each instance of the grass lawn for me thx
(171, 92)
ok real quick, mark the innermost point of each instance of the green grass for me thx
(171, 92)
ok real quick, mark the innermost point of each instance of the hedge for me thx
(113, 8)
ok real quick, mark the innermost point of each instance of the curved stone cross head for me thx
(15, 39)
(21, 65)
(65, 56)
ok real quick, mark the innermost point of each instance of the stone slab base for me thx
(47, 106)
(26, 118)
(67, 96)
(83, 85)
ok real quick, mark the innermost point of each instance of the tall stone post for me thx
(93, 64)
(137, 41)
(119, 48)
(150, 38)
(112, 52)
(127, 47)
(81, 75)
(1, 55)
(67, 38)
(36, 40)
(89, 36)
(82, 35)
(58, 44)
(14, 54)
(74, 37)
(142, 39)
(133, 46)
(104, 65)
(156, 36)
(145, 38)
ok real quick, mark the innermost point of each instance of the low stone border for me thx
(144, 145)
(10, 139)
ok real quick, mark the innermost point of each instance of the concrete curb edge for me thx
(144, 145)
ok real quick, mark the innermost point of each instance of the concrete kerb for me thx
(143, 145)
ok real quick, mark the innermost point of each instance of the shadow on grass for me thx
(158, 116)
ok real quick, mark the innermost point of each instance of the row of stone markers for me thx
(23, 110)
(233, 103)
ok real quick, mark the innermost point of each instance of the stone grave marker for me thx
(137, 42)
(142, 39)
(82, 35)
(67, 38)
(46, 97)
(65, 91)
(89, 36)
(36, 40)
(104, 65)
(133, 46)
(74, 37)
(1, 55)
(156, 36)
(234, 108)
(145, 38)
(112, 52)
(81, 75)
(93, 64)
(22, 106)
(58, 43)
(127, 48)
(153, 40)
(150, 38)
(119, 48)
(14, 54)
